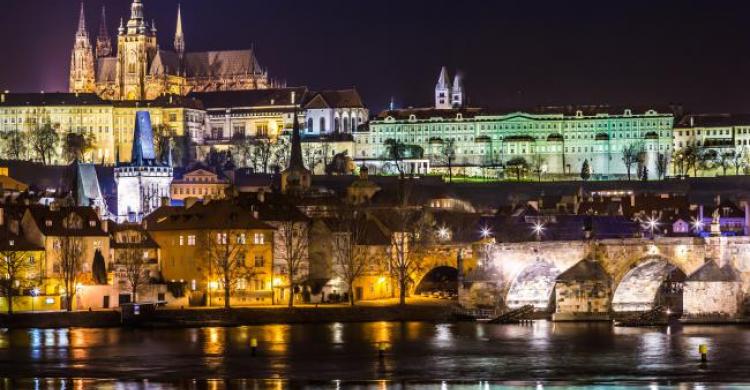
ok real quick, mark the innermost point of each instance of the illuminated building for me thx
(142, 70)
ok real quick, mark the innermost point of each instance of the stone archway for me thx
(439, 279)
(534, 285)
(654, 281)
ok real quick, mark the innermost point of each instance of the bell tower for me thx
(136, 48)
(82, 77)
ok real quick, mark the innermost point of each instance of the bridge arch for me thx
(654, 281)
(534, 285)
(441, 278)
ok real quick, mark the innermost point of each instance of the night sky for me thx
(512, 53)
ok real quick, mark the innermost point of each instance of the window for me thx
(92, 223)
(191, 240)
(182, 240)
(309, 125)
(48, 222)
(259, 261)
(221, 238)
(259, 239)
(322, 128)
(241, 239)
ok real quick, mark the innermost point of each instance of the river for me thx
(340, 355)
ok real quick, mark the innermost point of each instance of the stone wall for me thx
(711, 298)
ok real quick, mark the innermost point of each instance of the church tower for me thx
(179, 37)
(296, 179)
(457, 92)
(103, 41)
(82, 78)
(136, 48)
(443, 91)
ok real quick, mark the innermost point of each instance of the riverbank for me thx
(196, 317)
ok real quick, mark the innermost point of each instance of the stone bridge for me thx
(620, 275)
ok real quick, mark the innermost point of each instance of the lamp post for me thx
(697, 225)
(34, 294)
(651, 224)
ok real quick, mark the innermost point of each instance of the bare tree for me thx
(406, 243)
(631, 155)
(226, 252)
(537, 166)
(242, 147)
(263, 154)
(448, 156)
(725, 160)
(15, 145)
(43, 142)
(395, 151)
(312, 157)
(134, 265)
(14, 265)
(293, 240)
(76, 145)
(662, 165)
(70, 258)
(738, 161)
(706, 159)
(350, 258)
(281, 154)
(519, 165)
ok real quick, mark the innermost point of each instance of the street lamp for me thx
(697, 225)
(538, 229)
(443, 233)
(485, 232)
(34, 293)
(651, 224)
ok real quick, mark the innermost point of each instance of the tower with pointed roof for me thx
(82, 76)
(457, 92)
(103, 41)
(179, 36)
(296, 179)
(136, 48)
(146, 179)
(443, 90)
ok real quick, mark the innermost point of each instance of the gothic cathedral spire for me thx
(82, 59)
(103, 41)
(443, 90)
(179, 37)
(296, 179)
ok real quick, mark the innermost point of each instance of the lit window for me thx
(182, 239)
(191, 240)
(259, 239)
(221, 238)
(259, 261)
(241, 239)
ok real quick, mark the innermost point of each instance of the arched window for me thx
(347, 127)
(322, 128)
(309, 125)
(336, 125)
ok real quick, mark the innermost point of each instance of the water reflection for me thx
(350, 351)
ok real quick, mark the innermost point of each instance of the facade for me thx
(553, 140)
(334, 112)
(199, 183)
(142, 70)
(710, 144)
(107, 124)
(186, 236)
(143, 182)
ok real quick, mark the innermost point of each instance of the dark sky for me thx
(513, 53)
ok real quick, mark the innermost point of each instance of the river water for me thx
(418, 355)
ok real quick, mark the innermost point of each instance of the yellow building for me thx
(26, 261)
(188, 238)
(199, 183)
(108, 124)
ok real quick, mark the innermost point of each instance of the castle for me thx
(141, 70)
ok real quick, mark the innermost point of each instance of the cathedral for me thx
(141, 70)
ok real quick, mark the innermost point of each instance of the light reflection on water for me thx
(425, 354)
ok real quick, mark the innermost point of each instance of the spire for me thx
(295, 160)
(82, 23)
(121, 29)
(103, 42)
(136, 24)
(179, 37)
(443, 80)
(457, 84)
(143, 139)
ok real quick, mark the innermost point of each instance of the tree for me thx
(99, 268)
(76, 145)
(226, 254)
(407, 241)
(689, 159)
(725, 160)
(70, 257)
(280, 154)
(166, 138)
(349, 257)
(14, 145)
(631, 155)
(738, 161)
(243, 147)
(662, 165)
(538, 166)
(644, 173)
(395, 151)
(293, 240)
(263, 153)
(43, 142)
(519, 165)
(13, 267)
(585, 170)
(706, 159)
(448, 153)
(312, 157)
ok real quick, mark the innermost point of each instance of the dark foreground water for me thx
(419, 355)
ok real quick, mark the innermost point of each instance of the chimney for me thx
(692, 121)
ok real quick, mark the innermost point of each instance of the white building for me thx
(146, 179)
(334, 112)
